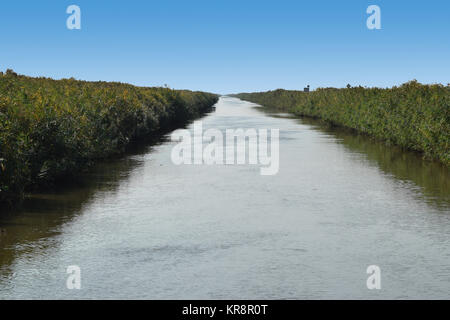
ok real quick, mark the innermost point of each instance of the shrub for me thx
(414, 116)
(51, 128)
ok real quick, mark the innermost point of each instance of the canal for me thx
(141, 227)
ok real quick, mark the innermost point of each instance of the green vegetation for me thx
(413, 116)
(53, 128)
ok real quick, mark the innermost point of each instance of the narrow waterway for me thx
(141, 227)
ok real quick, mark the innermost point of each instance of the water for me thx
(140, 227)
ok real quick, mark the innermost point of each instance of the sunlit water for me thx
(141, 227)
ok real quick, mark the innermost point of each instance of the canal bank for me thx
(50, 130)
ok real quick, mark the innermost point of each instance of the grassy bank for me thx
(53, 128)
(414, 116)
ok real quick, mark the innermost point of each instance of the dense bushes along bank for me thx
(414, 116)
(51, 128)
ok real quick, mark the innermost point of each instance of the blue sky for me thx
(228, 46)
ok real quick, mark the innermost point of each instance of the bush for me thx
(414, 116)
(51, 128)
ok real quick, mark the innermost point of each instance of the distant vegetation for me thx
(53, 128)
(413, 116)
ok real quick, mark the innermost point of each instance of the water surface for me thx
(141, 227)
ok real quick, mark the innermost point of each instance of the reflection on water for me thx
(141, 227)
(431, 177)
(41, 215)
